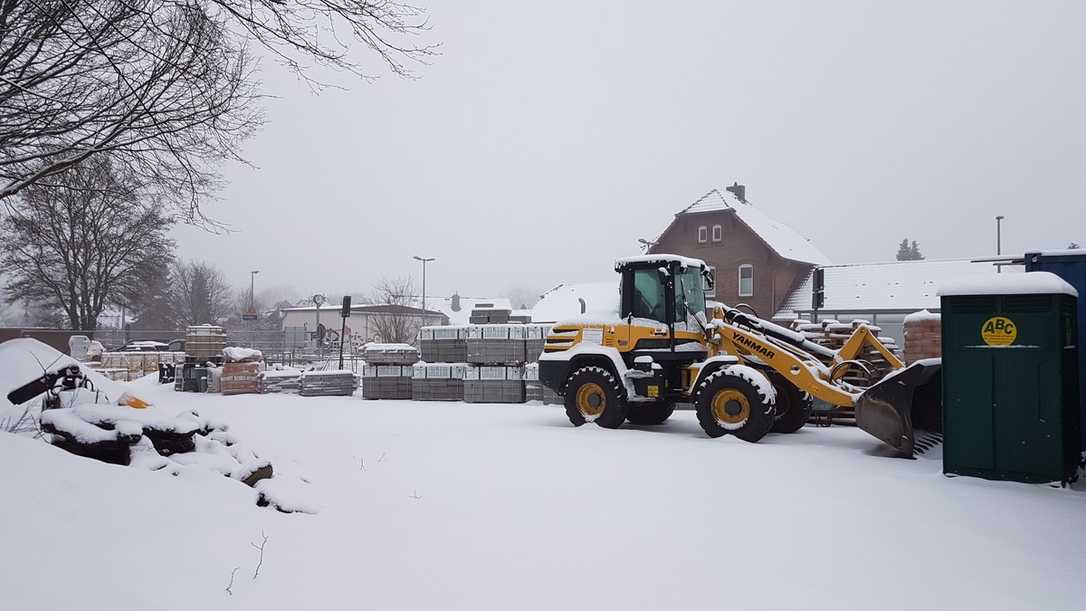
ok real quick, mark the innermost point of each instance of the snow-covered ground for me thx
(456, 506)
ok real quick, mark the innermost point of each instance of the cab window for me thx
(648, 295)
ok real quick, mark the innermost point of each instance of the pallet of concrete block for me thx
(496, 344)
(493, 384)
(331, 383)
(390, 354)
(205, 342)
(280, 379)
(535, 337)
(386, 381)
(438, 382)
(443, 344)
(139, 364)
(534, 389)
(489, 313)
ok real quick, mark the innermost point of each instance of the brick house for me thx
(758, 261)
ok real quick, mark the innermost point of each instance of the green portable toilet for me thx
(1010, 383)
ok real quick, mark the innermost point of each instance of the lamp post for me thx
(999, 240)
(424, 261)
(252, 307)
(645, 244)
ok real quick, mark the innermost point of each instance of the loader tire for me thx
(729, 401)
(649, 412)
(593, 394)
(793, 405)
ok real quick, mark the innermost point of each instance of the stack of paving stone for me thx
(535, 337)
(534, 389)
(923, 336)
(494, 384)
(444, 344)
(496, 344)
(332, 383)
(390, 354)
(487, 314)
(205, 342)
(280, 381)
(386, 381)
(438, 382)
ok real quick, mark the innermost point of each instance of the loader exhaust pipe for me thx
(902, 403)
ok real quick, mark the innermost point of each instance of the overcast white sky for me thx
(548, 137)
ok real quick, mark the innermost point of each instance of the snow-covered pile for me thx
(237, 354)
(921, 316)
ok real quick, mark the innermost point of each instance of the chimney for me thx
(739, 190)
(454, 302)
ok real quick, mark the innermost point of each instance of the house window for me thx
(703, 234)
(746, 280)
(718, 233)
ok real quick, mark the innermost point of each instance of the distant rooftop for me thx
(784, 240)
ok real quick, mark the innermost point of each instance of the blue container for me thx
(1071, 266)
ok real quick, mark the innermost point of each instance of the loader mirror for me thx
(708, 282)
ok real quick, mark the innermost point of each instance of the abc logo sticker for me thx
(999, 331)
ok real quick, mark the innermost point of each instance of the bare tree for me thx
(400, 323)
(200, 293)
(166, 86)
(88, 241)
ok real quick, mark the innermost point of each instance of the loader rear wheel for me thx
(793, 405)
(729, 401)
(649, 412)
(594, 395)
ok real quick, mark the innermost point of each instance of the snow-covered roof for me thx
(467, 304)
(784, 240)
(569, 301)
(896, 285)
(661, 258)
(1029, 283)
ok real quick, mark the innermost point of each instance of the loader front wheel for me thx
(793, 405)
(649, 412)
(728, 402)
(594, 395)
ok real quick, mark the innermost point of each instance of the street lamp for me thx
(645, 244)
(999, 240)
(252, 285)
(424, 261)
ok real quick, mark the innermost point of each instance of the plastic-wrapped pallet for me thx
(438, 382)
(496, 344)
(443, 344)
(493, 384)
(535, 337)
(386, 381)
(205, 342)
(390, 354)
(333, 383)
(533, 390)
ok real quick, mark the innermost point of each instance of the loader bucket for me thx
(910, 398)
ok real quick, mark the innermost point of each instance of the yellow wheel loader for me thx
(745, 376)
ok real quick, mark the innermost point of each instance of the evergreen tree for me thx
(903, 251)
(914, 252)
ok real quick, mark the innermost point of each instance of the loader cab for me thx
(667, 289)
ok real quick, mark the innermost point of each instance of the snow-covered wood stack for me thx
(833, 335)
(386, 381)
(390, 354)
(493, 384)
(438, 381)
(496, 344)
(334, 383)
(443, 344)
(923, 336)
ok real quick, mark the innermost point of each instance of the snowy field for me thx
(456, 506)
